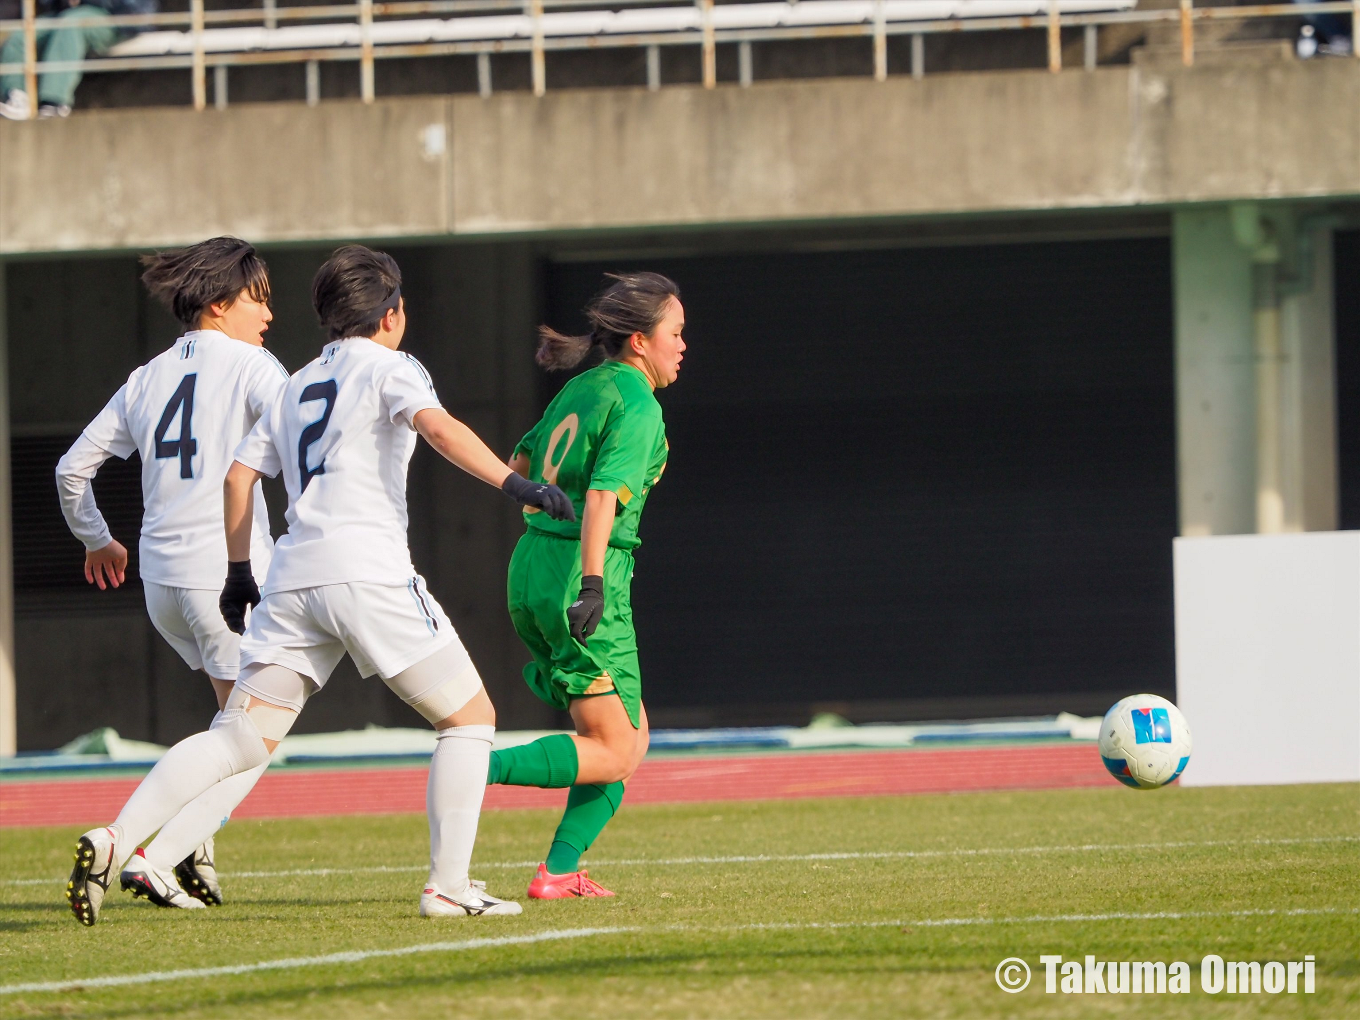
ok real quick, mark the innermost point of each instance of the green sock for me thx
(589, 809)
(548, 762)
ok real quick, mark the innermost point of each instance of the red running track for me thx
(361, 791)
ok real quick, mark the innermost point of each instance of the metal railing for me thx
(1051, 19)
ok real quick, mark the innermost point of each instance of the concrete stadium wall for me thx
(621, 159)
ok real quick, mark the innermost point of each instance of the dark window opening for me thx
(47, 556)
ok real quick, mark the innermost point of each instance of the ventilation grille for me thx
(46, 555)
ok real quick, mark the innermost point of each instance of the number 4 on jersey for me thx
(181, 403)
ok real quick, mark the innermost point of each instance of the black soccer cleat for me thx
(197, 875)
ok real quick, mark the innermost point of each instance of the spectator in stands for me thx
(1329, 34)
(56, 89)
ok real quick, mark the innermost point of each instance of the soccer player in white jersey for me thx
(184, 412)
(342, 432)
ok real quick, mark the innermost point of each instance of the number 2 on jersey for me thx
(182, 402)
(312, 433)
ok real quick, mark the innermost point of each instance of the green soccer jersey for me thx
(603, 431)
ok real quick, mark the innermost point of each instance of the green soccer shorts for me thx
(545, 578)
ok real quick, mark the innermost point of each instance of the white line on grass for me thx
(978, 852)
(952, 922)
(779, 858)
(155, 977)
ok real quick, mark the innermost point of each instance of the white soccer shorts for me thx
(188, 618)
(385, 629)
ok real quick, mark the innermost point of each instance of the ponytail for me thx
(633, 303)
(558, 352)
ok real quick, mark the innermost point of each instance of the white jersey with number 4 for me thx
(184, 412)
(342, 432)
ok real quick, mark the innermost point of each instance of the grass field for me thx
(907, 913)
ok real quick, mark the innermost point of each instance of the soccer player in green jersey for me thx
(603, 442)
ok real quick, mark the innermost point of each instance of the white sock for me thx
(186, 770)
(200, 818)
(454, 802)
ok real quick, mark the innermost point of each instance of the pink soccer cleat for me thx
(561, 887)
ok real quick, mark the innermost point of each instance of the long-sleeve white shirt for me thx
(184, 412)
(75, 471)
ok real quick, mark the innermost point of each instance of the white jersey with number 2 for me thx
(184, 411)
(342, 432)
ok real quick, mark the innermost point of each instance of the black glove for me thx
(583, 615)
(239, 591)
(548, 498)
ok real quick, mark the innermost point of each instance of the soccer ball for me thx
(1144, 741)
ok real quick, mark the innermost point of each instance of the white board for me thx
(1268, 657)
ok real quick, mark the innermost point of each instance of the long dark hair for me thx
(188, 280)
(354, 289)
(633, 303)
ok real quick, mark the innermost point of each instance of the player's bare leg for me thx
(608, 748)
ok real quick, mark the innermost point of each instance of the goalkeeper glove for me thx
(583, 615)
(239, 592)
(548, 498)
